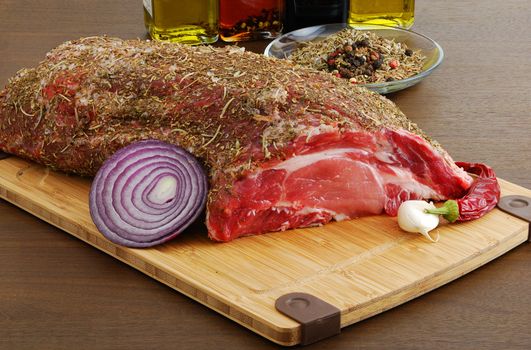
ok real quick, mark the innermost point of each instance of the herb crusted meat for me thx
(284, 146)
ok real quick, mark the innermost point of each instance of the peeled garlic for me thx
(413, 218)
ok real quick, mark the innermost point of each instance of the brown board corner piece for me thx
(519, 206)
(318, 319)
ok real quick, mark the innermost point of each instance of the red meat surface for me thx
(284, 146)
(337, 178)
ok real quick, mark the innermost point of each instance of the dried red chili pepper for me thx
(482, 196)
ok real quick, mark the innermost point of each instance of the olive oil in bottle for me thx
(184, 21)
(396, 13)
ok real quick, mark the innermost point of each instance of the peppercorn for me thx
(331, 62)
(345, 73)
(393, 64)
(390, 79)
(408, 52)
(348, 48)
(376, 64)
(362, 43)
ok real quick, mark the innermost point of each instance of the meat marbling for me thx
(285, 146)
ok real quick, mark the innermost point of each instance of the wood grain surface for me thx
(363, 267)
(57, 293)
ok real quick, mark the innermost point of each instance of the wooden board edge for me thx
(431, 283)
(282, 336)
(286, 336)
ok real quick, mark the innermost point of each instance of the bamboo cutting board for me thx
(363, 267)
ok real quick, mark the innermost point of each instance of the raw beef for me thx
(285, 146)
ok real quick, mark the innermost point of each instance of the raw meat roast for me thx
(284, 146)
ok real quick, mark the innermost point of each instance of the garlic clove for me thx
(412, 217)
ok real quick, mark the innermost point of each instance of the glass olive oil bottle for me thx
(184, 21)
(386, 12)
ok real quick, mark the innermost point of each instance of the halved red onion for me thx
(147, 193)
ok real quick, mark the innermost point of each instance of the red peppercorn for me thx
(331, 62)
(338, 75)
(333, 54)
(374, 56)
(393, 64)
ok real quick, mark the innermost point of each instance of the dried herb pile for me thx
(362, 57)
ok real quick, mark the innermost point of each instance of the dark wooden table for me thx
(57, 292)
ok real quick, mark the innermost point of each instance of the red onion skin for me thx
(119, 203)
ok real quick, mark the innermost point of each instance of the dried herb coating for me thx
(231, 109)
